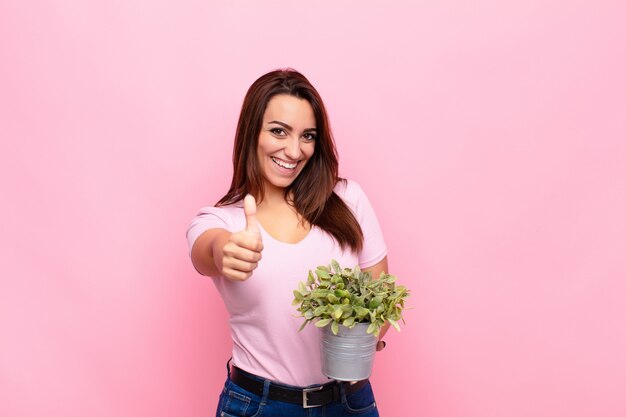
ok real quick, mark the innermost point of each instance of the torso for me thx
(264, 325)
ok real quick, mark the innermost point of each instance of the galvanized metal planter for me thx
(349, 355)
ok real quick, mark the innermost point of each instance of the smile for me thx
(284, 164)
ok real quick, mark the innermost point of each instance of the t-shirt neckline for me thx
(266, 233)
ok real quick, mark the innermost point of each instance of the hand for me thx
(242, 252)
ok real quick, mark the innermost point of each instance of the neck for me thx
(273, 196)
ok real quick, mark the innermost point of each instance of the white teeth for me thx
(284, 164)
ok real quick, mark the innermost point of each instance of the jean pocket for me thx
(361, 402)
(237, 402)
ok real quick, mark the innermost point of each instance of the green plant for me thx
(349, 296)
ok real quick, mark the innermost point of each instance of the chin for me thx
(281, 182)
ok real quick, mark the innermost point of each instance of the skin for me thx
(288, 137)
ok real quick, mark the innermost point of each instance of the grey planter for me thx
(349, 355)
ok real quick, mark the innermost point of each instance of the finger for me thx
(245, 242)
(380, 345)
(239, 265)
(249, 208)
(235, 275)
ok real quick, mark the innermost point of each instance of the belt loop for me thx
(266, 391)
(228, 366)
(342, 392)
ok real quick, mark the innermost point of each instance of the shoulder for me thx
(229, 217)
(222, 211)
(221, 216)
(349, 190)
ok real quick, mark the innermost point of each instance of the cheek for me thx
(309, 150)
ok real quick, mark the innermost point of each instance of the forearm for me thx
(206, 253)
(383, 330)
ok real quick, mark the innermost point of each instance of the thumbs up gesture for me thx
(242, 251)
(249, 209)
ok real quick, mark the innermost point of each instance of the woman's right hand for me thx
(240, 254)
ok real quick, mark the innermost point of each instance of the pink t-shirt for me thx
(263, 323)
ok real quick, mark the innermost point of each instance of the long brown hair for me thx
(312, 190)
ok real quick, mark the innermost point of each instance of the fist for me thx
(242, 251)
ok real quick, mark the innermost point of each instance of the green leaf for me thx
(361, 312)
(323, 322)
(372, 327)
(319, 293)
(394, 324)
(374, 284)
(319, 310)
(336, 266)
(349, 322)
(303, 325)
(336, 279)
(342, 293)
(310, 279)
(338, 312)
(334, 327)
(322, 273)
(375, 302)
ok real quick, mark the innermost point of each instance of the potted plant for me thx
(351, 308)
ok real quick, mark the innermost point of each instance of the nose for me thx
(292, 148)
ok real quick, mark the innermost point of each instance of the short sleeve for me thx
(374, 247)
(208, 218)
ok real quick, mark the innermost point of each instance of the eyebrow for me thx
(286, 126)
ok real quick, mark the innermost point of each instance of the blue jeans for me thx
(237, 402)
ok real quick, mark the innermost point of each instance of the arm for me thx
(376, 270)
(217, 252)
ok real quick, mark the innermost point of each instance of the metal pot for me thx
(349, 355)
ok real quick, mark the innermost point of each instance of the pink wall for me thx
(491, 139)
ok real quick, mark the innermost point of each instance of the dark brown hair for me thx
(313, 195)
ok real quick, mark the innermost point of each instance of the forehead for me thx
(289, 109)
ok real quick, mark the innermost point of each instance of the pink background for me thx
(490, 136)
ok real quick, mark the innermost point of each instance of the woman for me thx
(287, 211)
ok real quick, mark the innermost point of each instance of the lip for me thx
(283, 170)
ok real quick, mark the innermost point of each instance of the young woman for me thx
(286, 212)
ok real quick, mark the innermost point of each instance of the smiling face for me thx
(286, 141)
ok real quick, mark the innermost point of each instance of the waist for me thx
(307, 397)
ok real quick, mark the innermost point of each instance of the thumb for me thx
(249, 209)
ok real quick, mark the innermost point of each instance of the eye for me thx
(278, 131)
(310, 136)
